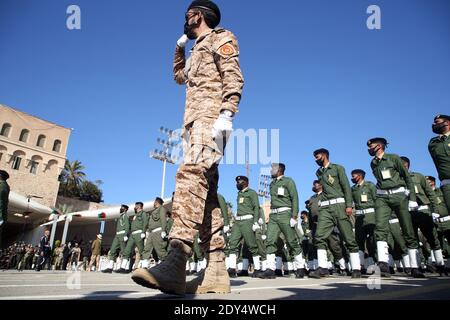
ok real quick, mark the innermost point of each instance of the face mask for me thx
(189, 30)
(135, 210)
(314, 190)
(373, 151)
(355, 181)
(240, 187)
(439, 128)
(319, 162)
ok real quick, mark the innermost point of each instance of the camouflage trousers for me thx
(195, 204)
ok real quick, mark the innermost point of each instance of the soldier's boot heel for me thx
(170, 275)
(213, 279)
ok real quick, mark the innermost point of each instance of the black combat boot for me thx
(300, 273)
(318, 273)
(232, 273)
(416, 273)
(268, 274)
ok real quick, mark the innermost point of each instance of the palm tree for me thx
(72, 178)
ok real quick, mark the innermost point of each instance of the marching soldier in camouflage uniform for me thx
(422, 216)
(137, 235)
(284, 210)
(442, 218)
(214, 85)
(393, 194)
(439, 148)
(120, 239)
(4, 195)
(157, 234)
(335, 209)
(364, 194)
(246, 225)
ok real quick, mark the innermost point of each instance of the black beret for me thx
(206, 4)
(431, 178)
(377, 140)
(442, 116)
(406, 159)
(161, 201)
(321, 150)
(242, 178)
(359, 171)
(4, 175)
(125, 206)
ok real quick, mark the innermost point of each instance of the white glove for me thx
(223, 124)
(255, 227)
(264, 237)
(226, 229)
(435, 216)
(293, 222)
(261, 221)
(199, 240)
(407, 192)
(142, 235)
(125, 238)
(413, 205)
(163, 234)
(182, 41)
(1, 222)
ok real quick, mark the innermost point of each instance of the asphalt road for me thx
(52, 285)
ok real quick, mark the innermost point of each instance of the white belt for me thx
(280, 210)
(330, 202)
(393, 221)
(422, 208)
(246, 217)
(447, 218)
(445, 182)
(391, 191)
(121, 232)
(157, 229)
(360, 212)
(136, 232)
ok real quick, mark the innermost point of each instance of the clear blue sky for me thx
(311, 68)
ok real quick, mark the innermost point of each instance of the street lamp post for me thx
(164, 154)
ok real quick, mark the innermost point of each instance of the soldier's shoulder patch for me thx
(227, 49)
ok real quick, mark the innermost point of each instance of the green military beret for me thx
(242, 178)
(377, 140)
(442, 116)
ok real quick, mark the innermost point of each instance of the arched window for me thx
(57, 146)
(24, 135)
(34, 164)
(2, 151)
(6, 129)
(41, 141)
(16, 159)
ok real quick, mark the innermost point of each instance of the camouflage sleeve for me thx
(226, 56)
(179, 62)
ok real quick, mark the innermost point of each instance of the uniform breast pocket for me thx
(195, 63)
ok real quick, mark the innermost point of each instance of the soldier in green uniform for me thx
(4, 195)
(120, 239)
(422, 216)
(138, 226)
(335, 209)
(261, 237)
(441, 218)
(247, 217)
(364, 194)
(157, 233)
(439, 148)
(393, 185)
(284, 210)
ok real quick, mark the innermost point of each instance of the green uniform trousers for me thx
(398, 203)
(134, 240)
(424, 222)
(280, 223)
(243, 230)
(118, 245)
(396, 242)
(261, 244)
(329, 217)
(365, 235)
(154, 241)
(446, 193)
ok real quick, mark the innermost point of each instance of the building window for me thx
(41, 141)
(6, 129)
(57, 146)
(16, 160)
(24, 135)
(33, 166)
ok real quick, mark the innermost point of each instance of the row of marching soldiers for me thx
(394, 224)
